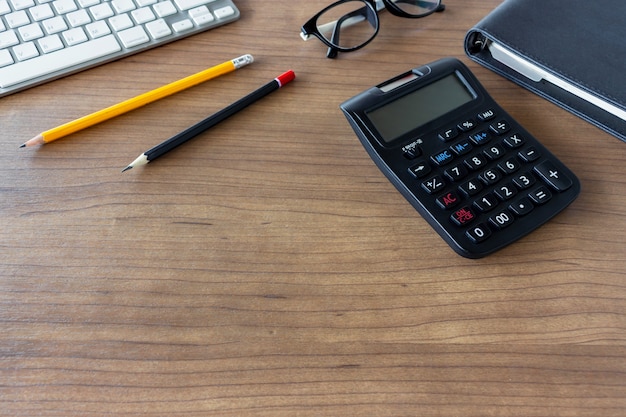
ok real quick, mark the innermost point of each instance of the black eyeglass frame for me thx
(310, 28)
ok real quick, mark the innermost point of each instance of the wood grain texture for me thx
(267, 268)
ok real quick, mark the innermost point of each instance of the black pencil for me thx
(209, 122)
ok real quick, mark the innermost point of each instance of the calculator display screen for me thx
(413, 110)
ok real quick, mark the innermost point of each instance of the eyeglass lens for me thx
(416, 8)
(348, 25)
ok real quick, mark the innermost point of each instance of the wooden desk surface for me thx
(268, 268)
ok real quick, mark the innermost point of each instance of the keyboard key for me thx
(143, 15)
(198, 11)
(5, 58)
(201, 15)
(30, 32)
(165, 8)
(203, 19)
(8, 38)
(123, 6)
(120, 22)
(50, 44)
(17, 19)
(158, 29)
(182, 25)
(87, 3)
(101, 11)
(58, 60)
(41, 12)
(74, 36)
(25, 51)
(190, 4)
(64, 6)
(78, 18)
(223, 12)
(4, 7)
(97, 29)
(54, 25)
(133, 36)
(22, 4)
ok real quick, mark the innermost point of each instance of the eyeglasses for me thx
(348, 25)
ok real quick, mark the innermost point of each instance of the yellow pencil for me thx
(138, 101)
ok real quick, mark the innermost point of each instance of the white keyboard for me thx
(41, 40)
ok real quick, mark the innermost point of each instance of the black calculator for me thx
(476, 175)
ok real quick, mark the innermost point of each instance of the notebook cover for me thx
(581, 41)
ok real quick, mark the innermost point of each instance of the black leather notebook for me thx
(572, 53)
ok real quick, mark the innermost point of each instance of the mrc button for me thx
(442, 157)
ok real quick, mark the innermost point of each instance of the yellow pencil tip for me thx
(37, 140)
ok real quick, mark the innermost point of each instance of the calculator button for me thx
(461, 148)
(521, 207)
(466, 125)
(442, 157)
(555, 178)
(502, 219)
(529, 154)
(486, 203)
(433, 185)
(514, 141)
(540, 196)
(524, 180)
(420, 170)
(475, 162)
(480, 138)
(490, 176)
(448, 201)
(486, 115)
(500, 128)
(463, 216)
(509, 166)
(448, 134)
(471, 187)
(456, 173)
(506, 191)
(479, 233)
(494, 152)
